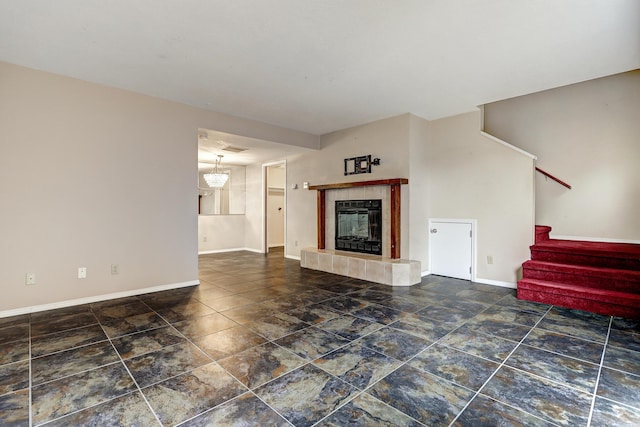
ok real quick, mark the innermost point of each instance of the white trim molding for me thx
(220, 251)
(506, 144)
(97, 298)
(496, 283)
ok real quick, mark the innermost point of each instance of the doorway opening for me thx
(274, 207)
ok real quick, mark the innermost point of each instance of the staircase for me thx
(598, 277)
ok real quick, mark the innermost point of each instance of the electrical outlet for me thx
(115, 269)
(82, 272)
(204, 238)
(30, 279)
(489, 259)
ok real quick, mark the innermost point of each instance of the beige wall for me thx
(217, 233)
(587, 135)
(387, 139)
(92, 176)
(419, 139)
(473, 177)
(454, 172)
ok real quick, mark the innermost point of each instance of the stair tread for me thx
(584, 269)
(579, 288)
(604, 249)
(601, 277)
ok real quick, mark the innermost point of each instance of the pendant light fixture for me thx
(216, 179)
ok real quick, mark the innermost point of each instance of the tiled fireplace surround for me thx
(380, 269)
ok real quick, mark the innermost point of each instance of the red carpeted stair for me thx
(599, 277)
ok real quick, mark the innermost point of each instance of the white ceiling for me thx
(323, 65)
(213, 143)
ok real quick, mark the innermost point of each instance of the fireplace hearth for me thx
(359, 226)
(385, 266)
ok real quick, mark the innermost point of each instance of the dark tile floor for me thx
(263, 342)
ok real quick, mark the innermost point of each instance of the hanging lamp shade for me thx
(216, 179)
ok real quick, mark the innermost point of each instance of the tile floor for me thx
(263, 342)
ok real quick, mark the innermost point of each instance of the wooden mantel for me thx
(394, 208)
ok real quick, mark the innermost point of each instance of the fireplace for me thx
(359, 226)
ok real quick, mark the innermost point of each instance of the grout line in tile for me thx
(88, 407)
(406, 363)
(133, 379)
(595, 387)
(562, 355)
(296, 278)
(191, 370)
(30, 406)
(626, 405)
(68, 349)
(517, 409)
(499, 367)
(633, 374)
(228, 401)
(76, 373)
(570, 336)
(97, 323)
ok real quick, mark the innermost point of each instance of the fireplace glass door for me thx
(359, 226)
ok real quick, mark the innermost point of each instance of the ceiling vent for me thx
(233, 149)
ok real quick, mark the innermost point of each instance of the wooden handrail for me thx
(547, 174)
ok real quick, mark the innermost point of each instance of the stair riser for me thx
(579, 303)
(588, 260)
(542, 233)
(610, 283)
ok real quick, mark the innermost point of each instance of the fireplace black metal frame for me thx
(394, 208)
(372, 244)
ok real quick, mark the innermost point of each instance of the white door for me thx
(451, 249)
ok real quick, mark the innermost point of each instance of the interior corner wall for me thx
(473, 177)
(92, 176)
(387, 139)
(418, 198)
(587, 135)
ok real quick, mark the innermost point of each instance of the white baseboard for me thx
(220, 251)
(425, 273)
(485, 281)
(594, 239)
(297, 258)
(496, 283)
(97, 298)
